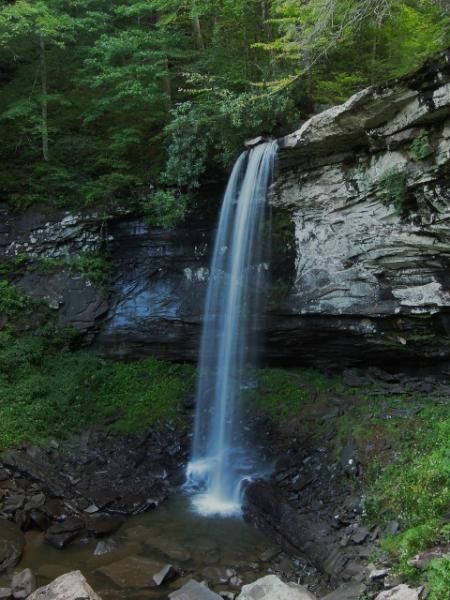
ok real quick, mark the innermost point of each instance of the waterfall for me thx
(221, 455)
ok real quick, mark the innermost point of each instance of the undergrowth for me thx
(281, 393)
(48, 392)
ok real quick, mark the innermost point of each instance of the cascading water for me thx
(221, 456)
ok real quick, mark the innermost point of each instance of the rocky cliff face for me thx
(159, 281)
(367, 188)
(361, 245)
(152, 300)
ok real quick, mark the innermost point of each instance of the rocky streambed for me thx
(111, 506)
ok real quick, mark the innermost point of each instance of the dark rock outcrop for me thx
(158, 289)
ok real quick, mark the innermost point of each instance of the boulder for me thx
(23, 584)
(71, 586)
(60, 534)
(272, 588)
(401, 592)
(12, 543)
(423, 559)
(193, 590)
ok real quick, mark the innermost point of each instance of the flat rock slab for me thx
(423, 559)
(194, 591)
(12, 543)
(401, 592)
(71, 586)
(133, 572)
(348, 591)
(272, 588)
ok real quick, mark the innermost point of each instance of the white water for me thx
(221, 455)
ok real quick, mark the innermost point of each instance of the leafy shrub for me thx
(415, 488)
(13, 302)
(17, 355)
(165, 208)
(211, 128)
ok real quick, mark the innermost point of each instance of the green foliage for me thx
(340, 45)
(211, 128)
(165, 208)
(421, 147)
(46, 391)
(282, 393)
(16, 356)
(404, 546)
(439, 579)
(11, 266)
(103, 100)
(402, 441)
(13, 302)
(414, 488)
(392, 187)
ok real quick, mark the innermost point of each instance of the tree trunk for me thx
(198, 32)
(166, 82)
(167, 85)
(44, 101)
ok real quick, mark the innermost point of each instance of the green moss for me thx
(93, 266)
(280, 393)
(49, 392)
(392, 187)
(421, 147)
(283, 393)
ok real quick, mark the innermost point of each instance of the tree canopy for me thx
(141, 100)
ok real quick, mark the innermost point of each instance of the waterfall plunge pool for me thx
(203, 548)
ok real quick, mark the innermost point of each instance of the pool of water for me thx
(226, 552)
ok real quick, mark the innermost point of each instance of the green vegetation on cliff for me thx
(144, 99)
